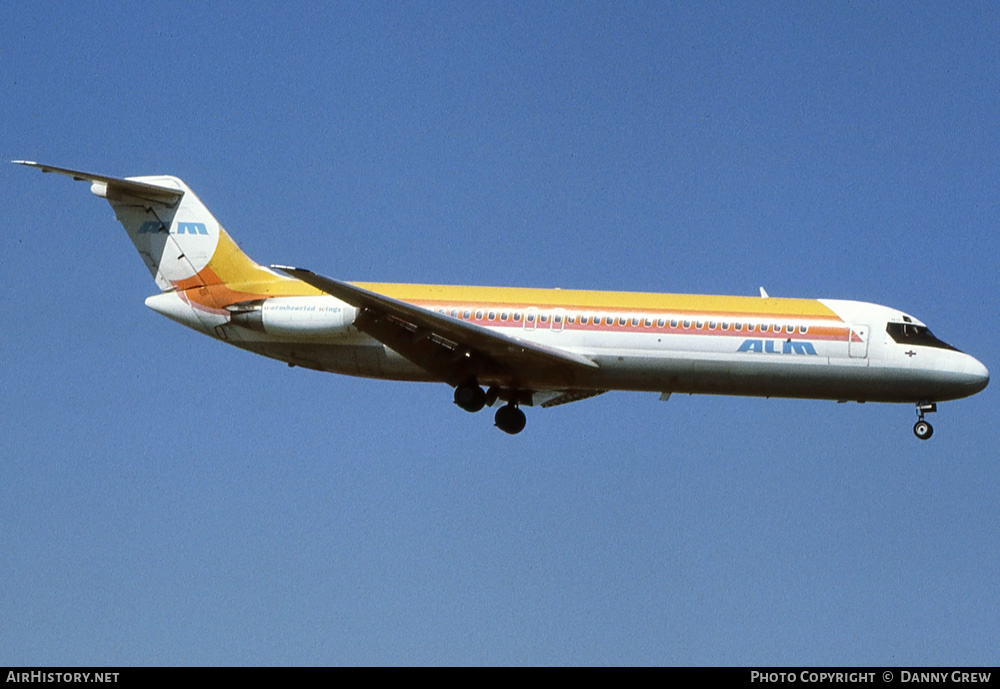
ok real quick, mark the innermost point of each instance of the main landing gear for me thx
(509, 419)
(472, 398)
(921, 428)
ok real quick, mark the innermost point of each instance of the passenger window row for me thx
(528, 318)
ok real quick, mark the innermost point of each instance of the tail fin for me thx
(177, 237)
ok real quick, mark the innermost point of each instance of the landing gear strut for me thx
(509, 419)
(921, 428)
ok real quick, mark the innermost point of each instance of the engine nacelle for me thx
(294, 316)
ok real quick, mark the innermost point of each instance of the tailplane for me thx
(182, 244)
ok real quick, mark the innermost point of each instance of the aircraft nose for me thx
(979, 375)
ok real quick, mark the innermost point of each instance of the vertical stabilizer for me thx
(180, 241)
(176, 238)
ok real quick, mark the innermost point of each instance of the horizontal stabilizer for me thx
(142, 190)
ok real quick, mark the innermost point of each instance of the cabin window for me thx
(466, 314)
(530, 318)
(687, 325)
(712, 325)
(584, 319)
(571, 319)
(764, 327)
(479, 315)
(699, 324)
(503, 316)
(544, 318)
(660, 322)
(622, 320)
(557, 318)
(803, 329)
(737, 327)
(673, 323)
(648, 322)
(789, 329)
(635, 321)
(491, 316)
(751, 327)
(517, 316)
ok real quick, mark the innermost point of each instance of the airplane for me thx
(514, 347)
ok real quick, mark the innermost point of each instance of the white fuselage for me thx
(655, 352)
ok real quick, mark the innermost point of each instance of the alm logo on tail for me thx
(154, 226)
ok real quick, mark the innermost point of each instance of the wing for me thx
(451, 349)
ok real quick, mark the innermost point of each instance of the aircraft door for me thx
(857, 344)
(530, 318)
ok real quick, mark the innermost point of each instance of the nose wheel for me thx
(922, 429)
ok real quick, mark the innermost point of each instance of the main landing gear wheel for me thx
(921, 428)
(470, 397)
(510, 419)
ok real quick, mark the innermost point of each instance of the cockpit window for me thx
(919, 335)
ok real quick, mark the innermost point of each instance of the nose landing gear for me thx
(922, 429)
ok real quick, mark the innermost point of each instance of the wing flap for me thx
(558, 397)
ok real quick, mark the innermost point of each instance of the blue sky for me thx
(165, 499)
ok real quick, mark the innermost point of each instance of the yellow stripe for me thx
(240, 273)
(518, 297)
